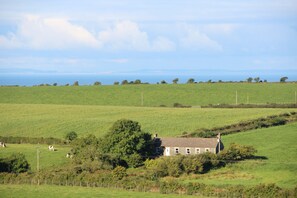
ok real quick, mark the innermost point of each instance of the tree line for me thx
(174, 81)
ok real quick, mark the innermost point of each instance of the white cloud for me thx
(127, 35)
(124, 35)
(197, 40)
(48, 33)
(162, 44)
(35, 32)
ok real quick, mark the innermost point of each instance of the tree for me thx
(16, 163)
(250, 79)
(163, 82)
(190, 81)
(97, 83)
(55, 84)
(75, 83)
(137, 81)
(127, 142)
(174, 81)
(125, 82)
(116, 83)
(72, 135)
(257, 79)
(283, 79)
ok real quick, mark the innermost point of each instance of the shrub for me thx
(119, 172)
(237, 152)
(71, 136)
(16, 163)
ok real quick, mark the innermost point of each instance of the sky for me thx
(137, 37)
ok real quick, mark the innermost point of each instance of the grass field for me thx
(153, 95)
(23, 191)
(46, 158)
(56, 120)
(278, 144)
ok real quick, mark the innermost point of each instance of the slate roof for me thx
(189, 142)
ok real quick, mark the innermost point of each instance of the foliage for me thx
(175, 166)
(237, 152)
(127, 142)
(269, 121)
(97, 83)
(16, 163)
(190, 81)
(283, 79)
(119, 172)
(175, 81)
(125, 82)
(75, 83)
(72, 135)
(250, 79)
(257, 79)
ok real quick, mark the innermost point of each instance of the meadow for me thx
(47, 159)
(23, 191)
(35, 120)
(152, 95)
(277, 144)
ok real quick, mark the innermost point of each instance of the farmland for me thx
(152, 95)
(47, 158)
(55, 111)
(35, 120)
(280, 167)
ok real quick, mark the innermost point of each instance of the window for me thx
(207, 150)
(188, 151)
(197, 150)
(176, 149)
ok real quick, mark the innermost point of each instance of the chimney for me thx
(219, 137)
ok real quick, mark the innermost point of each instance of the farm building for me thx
(187, 146)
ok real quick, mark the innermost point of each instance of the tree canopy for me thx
(126, 141)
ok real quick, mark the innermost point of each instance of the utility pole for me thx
(141, 98)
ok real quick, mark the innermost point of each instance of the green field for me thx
(47, 158)
(153, 95)
(22, 191)
(278, 144)
(56, 120)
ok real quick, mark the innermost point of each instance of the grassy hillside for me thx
(24, 191)
(278, 144)
(57, 120)
(46, 158)
(153, 95)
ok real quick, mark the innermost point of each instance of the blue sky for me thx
(133, 37)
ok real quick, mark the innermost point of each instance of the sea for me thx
(89, 79)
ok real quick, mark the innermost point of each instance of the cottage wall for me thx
(187, 150)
